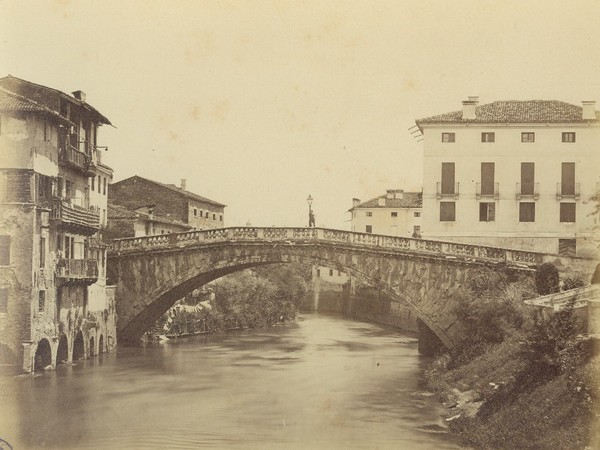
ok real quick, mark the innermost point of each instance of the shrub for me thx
(546, 279)
(572, 283)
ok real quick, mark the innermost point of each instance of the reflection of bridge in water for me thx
(152, 272)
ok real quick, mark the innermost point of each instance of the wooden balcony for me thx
(76, 271)
(75, 218)
(71, 157)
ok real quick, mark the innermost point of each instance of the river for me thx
(323, 382)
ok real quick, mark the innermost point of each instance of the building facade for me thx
(123, 223)
(55, 305)
(397, 213)
(168, 201)
(516, 174)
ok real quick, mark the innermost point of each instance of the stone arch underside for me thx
(148, 284)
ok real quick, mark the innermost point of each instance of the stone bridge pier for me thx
(152, 273)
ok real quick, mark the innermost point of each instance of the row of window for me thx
(487, 212)
(416, 230)
(393, 214)
(526, 136)
(200, 213)
(101, 184)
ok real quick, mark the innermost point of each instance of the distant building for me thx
(517, 174)
(167, 201)
(55, 305)
(397, 213)
(123, 223)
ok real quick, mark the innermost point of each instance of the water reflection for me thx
(323, 382)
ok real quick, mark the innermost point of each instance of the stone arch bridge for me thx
(153, 272)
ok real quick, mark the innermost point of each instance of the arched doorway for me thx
(92, 348)
(101, 344)
(43, 356)
(78, 351)
(62, 354)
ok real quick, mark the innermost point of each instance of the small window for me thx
(46, 132)
(487, 212)
(448, 137)
(206, 215)
(42, 301)
(369, 228)
(369, 214)
(99, 184)
(567, 247)
(394, 214)
(417, 231)
(447, 211)
(488, 137)
(221, 218)
(567, 212)
(568, 136)
(526, 212)
(93, 179)
(42, 252)
(330, 272)
(318, 272)
(104, 188)
(528, 137)
(4, 250)
(3, 300)
(195, 212)
(417, 214)
(214, 217)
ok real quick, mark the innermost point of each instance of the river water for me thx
(323, 382)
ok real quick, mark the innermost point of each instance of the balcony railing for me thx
(528, 191)
(443, 193)
(77, 270)
(487, 192)
(76, 218)
(567, 191)
(71, 157)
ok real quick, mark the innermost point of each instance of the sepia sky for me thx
(260, 103)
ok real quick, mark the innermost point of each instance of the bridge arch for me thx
(152, 273)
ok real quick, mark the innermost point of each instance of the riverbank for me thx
(491, 404)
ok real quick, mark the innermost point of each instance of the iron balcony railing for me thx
(441, 192)
(298, 236)
(77, 270)
(488, 191)
(528, 191)
(72, 157)
(85, 221)
(570, 190)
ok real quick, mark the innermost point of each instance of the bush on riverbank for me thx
(527, 383)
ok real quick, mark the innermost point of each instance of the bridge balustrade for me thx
(299, 235)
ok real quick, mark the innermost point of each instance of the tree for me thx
(546, 279)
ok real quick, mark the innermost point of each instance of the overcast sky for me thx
(260, 103)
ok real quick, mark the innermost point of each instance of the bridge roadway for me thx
(152, 272)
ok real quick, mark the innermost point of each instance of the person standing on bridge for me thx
(311, 219)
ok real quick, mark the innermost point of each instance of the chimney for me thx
(390, 193)
(79, 95)
(183, 183)
(469, 105)
(381, 201)
(355, 202)
(589, 110)
(399, 194)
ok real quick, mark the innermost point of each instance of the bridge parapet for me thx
(291, 236)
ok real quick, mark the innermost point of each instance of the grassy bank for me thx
(519, 380)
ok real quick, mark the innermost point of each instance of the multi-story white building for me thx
(518, 174)
(397, 213)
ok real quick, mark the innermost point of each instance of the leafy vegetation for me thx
(546, 279)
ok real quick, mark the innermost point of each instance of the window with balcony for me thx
(528, 137)
(568, 136)
(448, 179)
(527, 178)
(3, 300)
(448, 137)
(487, 212)
(368, 228)
(567, 180)
(526, 212)
(488, 184)
(567, 212)
(447, 211)
(488, 137)
(4, 250)
(567, 247)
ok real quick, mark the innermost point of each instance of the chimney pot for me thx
(381, 201)
(589, 110)
(79, 95)
(183, 183)
(468, 111)
(355, 202)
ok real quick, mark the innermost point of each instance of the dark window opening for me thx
(488, 137)
(527, 137)
(42, 252)
(417, 214)
(394, 214)
(330, 272)
(487, 212)
(527, 178)
(447, 211)
(448, 137)
(487, 178)
(567, 247)
(567, 178)
(369, 228)
(448, 173)
(567, 212)
(526, 212)
(568, 136)
(42, 301)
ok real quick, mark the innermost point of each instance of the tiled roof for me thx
(408, 200)
(514, 111)
(11, 102)
(15, 81)
(120, 212)
(174, 188)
